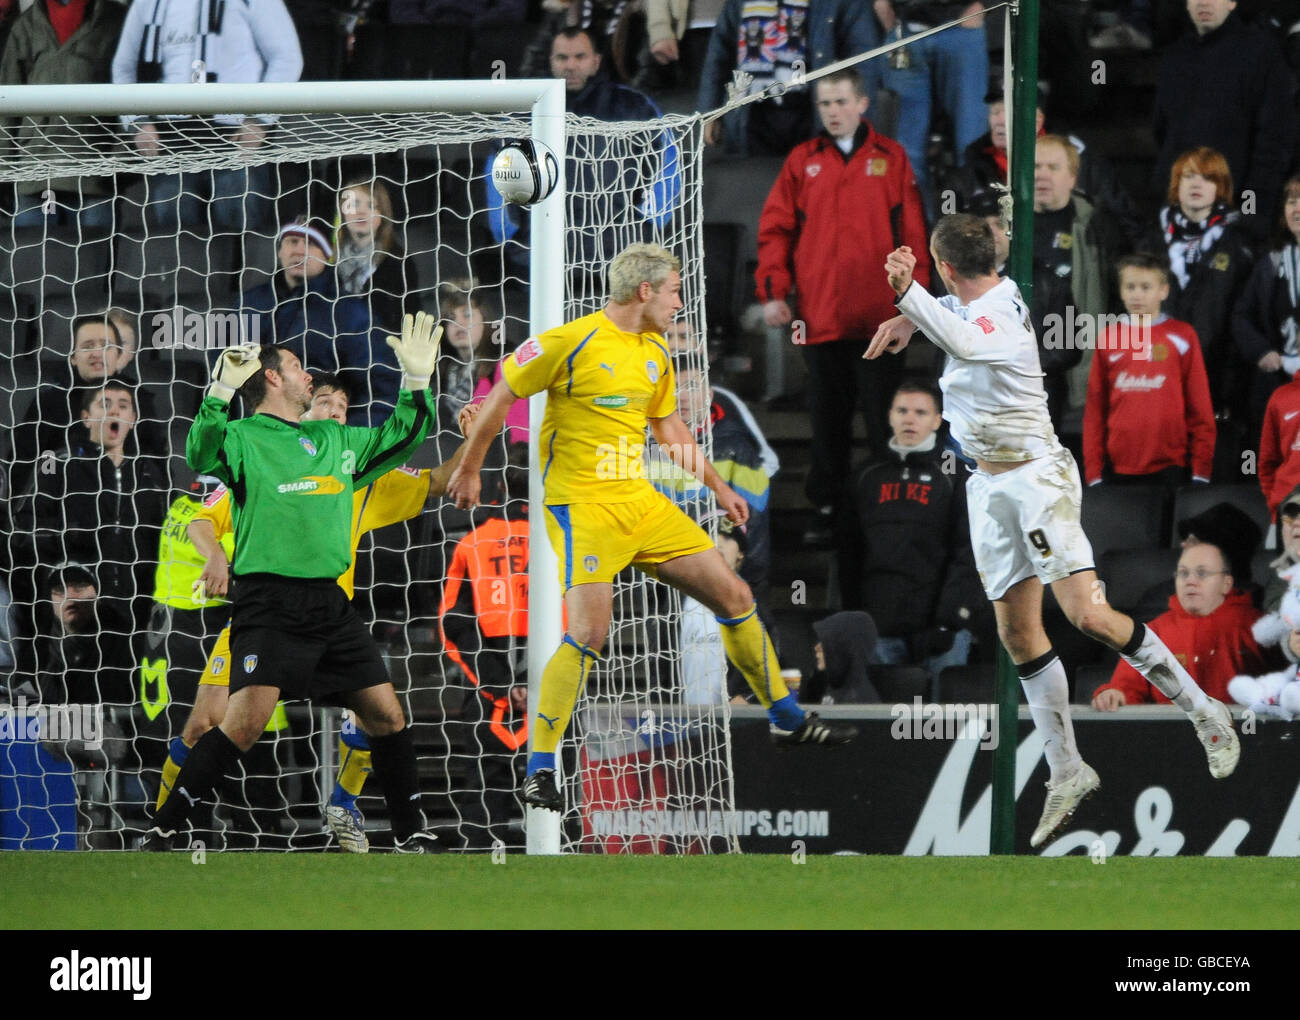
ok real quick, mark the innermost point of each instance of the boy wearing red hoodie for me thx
(1148, 415)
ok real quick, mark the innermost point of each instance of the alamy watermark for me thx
(203, 331)
(1085, 332)
(84, 723)
(919, 721)
(629, 460)
(77, 973)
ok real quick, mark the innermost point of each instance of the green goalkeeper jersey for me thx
(291, 483)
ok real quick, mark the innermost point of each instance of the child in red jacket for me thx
(1148, 416)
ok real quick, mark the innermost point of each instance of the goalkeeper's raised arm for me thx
(204, 445)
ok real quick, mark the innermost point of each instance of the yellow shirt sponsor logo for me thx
(312, 485)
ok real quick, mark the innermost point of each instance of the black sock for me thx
(393, 760)
(212, 757)
(1027, 669)
(1135, 642)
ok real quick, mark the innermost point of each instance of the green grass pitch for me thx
(122, 890)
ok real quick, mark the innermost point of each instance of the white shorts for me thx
(1026, 522)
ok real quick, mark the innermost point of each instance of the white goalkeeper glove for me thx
(417, 349)
(234, 368)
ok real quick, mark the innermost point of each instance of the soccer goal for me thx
(149, 233)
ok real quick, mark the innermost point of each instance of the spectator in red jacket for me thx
(1279, 445)
(842, 202)
(1148, 417)
(1207, 626)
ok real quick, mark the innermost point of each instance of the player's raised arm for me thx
(676, 439)
(980, 340)
(464, 484)
(205, 441)
(391, 444)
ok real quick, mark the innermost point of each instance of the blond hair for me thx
(637, 264)
(1067, 146)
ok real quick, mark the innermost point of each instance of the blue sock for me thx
(354, 737)
(178, 751)
(341, 798)
(539, 760)
(786, 713)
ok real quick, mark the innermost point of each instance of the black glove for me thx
(931, 642)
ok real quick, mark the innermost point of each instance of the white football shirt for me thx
(992, 383)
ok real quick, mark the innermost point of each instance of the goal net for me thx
(137, 250)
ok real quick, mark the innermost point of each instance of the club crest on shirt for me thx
(591, 563)
(877, 167)
(219, 665)
(528, 350)
(652, 370)
(307, 445)
(813, 169)
(250, 663)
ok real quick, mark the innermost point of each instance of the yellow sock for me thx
(353, 769)
(562, 682)
(171, 769)
(747, 645)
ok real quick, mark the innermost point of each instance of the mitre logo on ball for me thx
(525, 172)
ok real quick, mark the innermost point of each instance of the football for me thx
(525, 173)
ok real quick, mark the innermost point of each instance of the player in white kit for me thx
(1024, 502)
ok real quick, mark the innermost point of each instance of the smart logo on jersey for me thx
(215, 496)
(528, 350)
(652, 370)
(985, 323)
(307, 445)
(612, 400)
(312, 485)
(250, 663)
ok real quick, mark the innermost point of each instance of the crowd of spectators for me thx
(1189, 291)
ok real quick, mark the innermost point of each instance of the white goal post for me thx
(324, 109)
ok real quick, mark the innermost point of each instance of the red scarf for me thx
(66, 17)
(1000, 156)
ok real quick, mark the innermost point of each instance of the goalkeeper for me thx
(396, 496)
(607, 376)
(293, 632)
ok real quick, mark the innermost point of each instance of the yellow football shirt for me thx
(396, 496)
(179, 563)
(602, 385)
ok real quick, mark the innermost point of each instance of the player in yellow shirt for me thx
(607, 377)
(396, 496)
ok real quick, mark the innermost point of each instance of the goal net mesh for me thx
(173, 234)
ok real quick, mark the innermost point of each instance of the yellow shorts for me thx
(217, 672)
(594, 541)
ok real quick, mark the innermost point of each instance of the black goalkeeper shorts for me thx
(302, 636)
